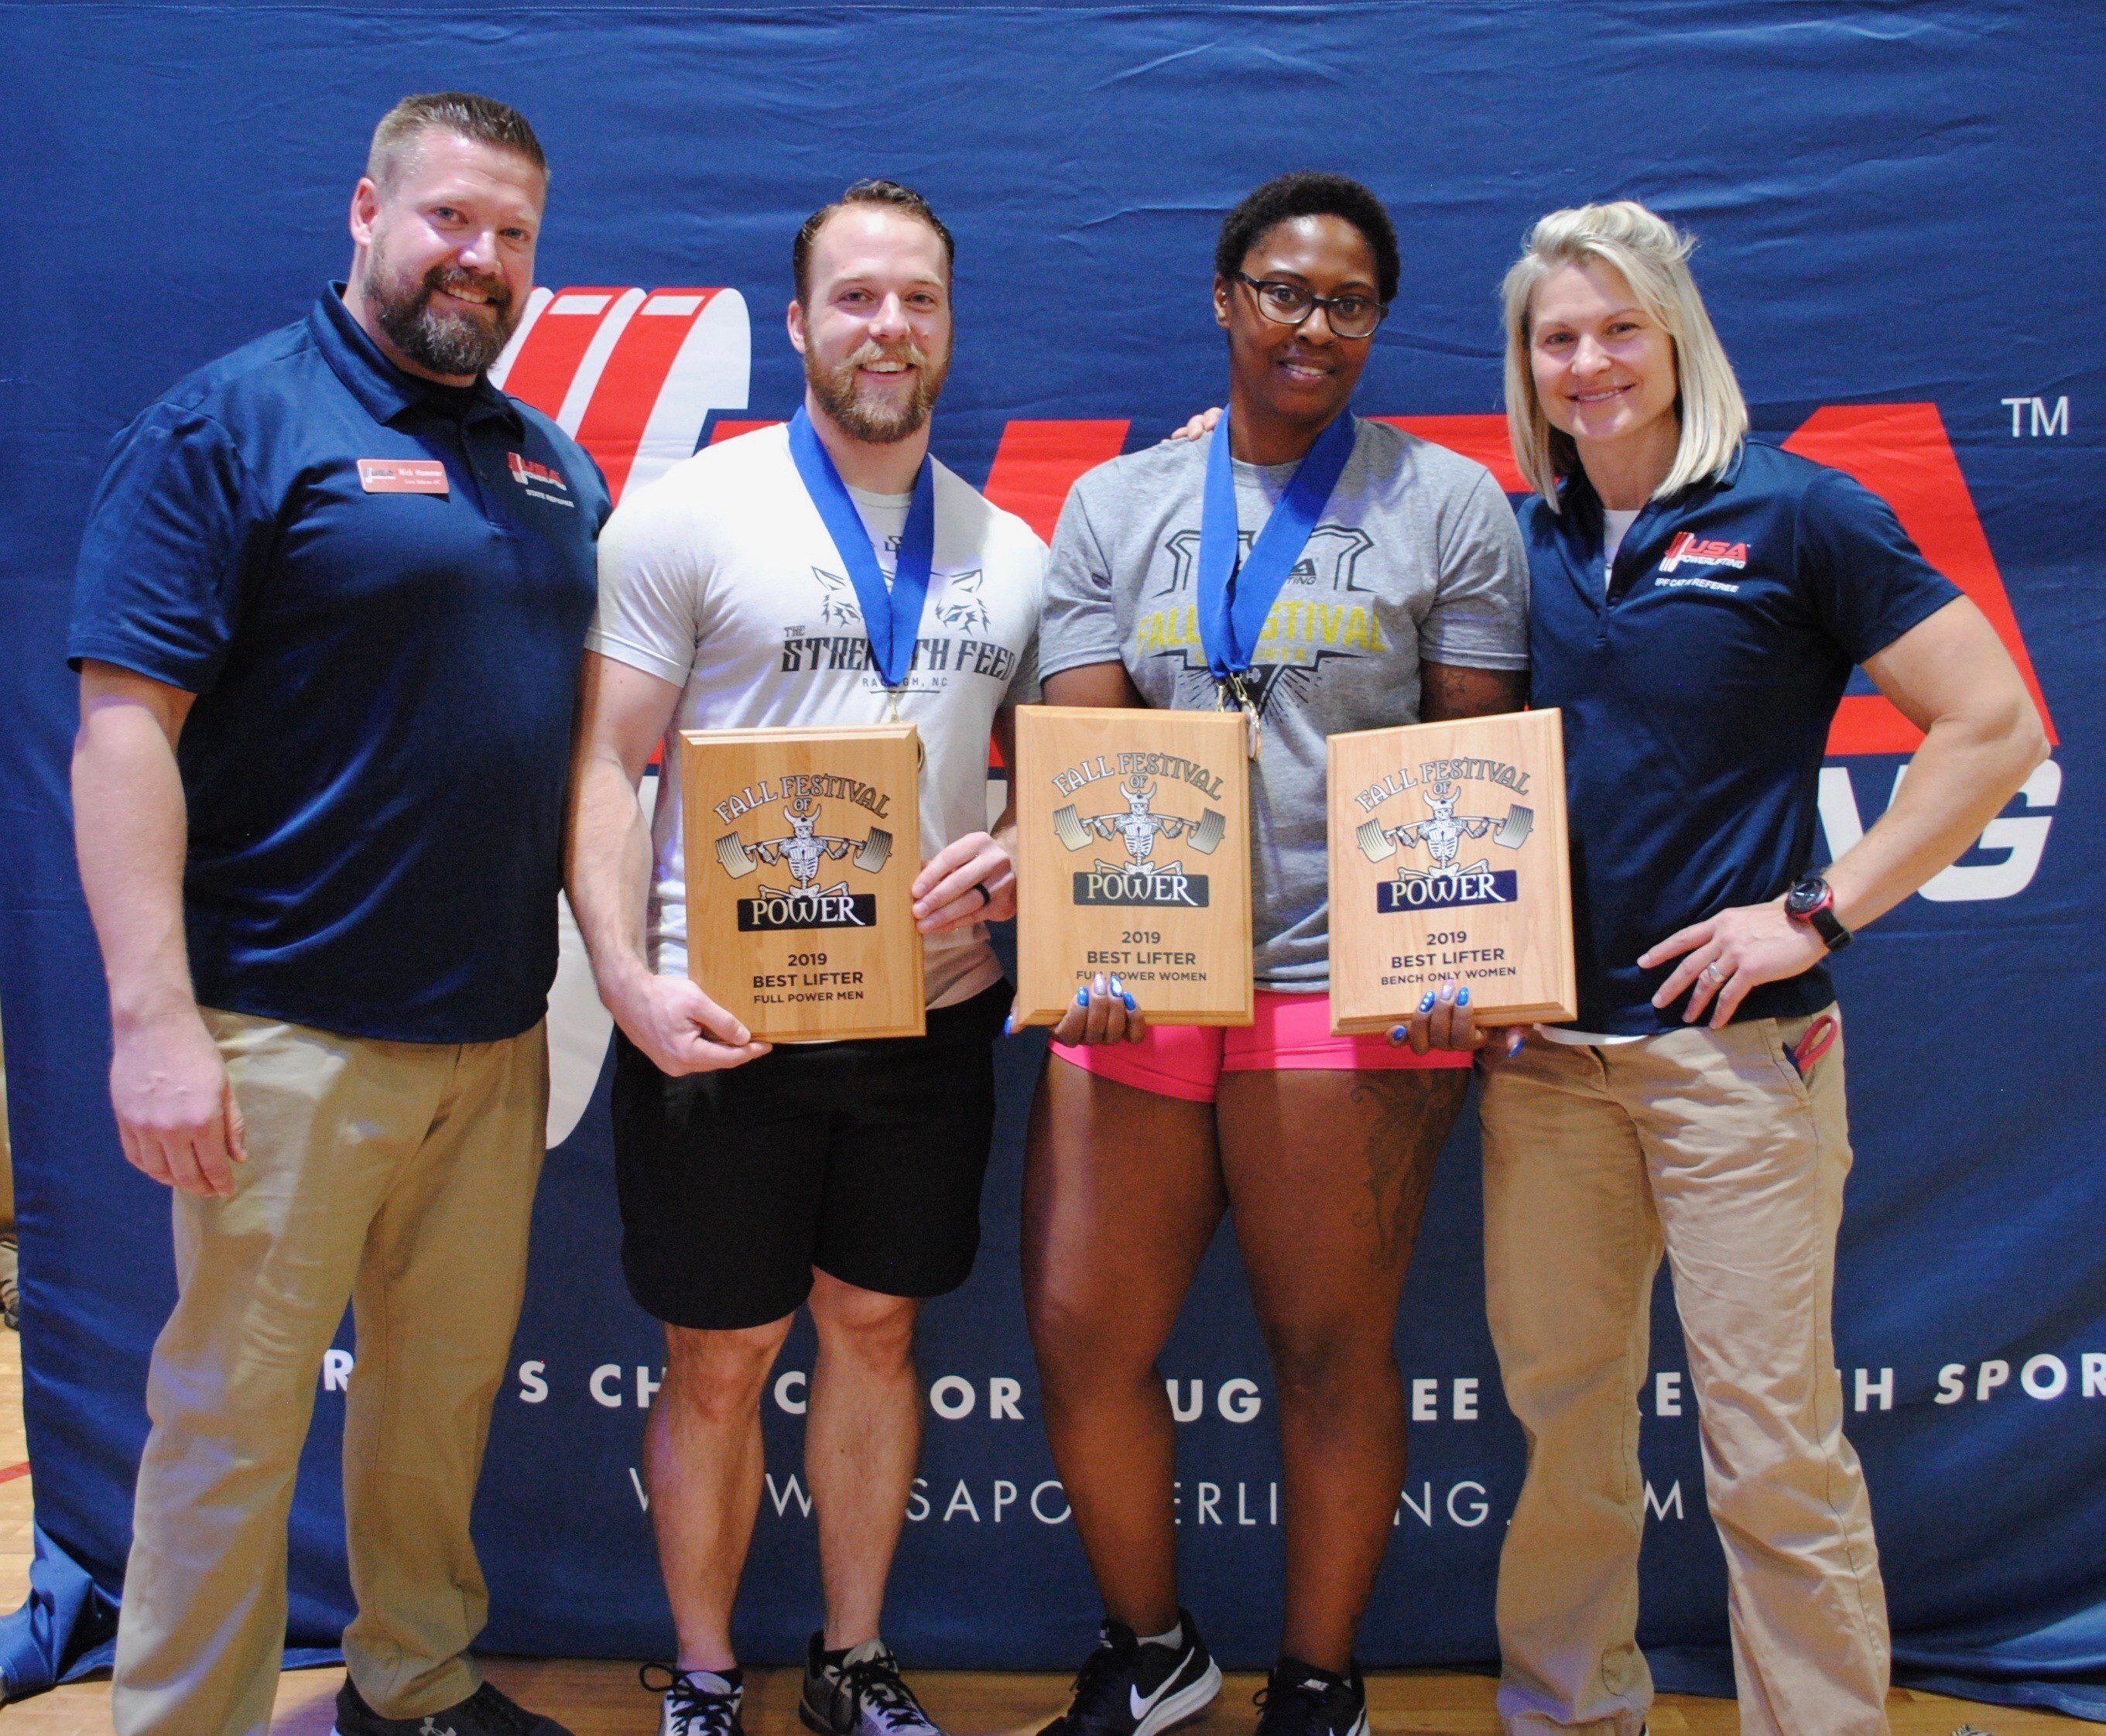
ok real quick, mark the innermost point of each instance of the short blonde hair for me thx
(1653, 256)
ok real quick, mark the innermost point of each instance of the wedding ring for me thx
(1713, 974)
(987, 897)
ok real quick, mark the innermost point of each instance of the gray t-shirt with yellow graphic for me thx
(1416, 557)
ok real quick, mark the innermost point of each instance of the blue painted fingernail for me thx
(1515, 1039)
(1462, 996)
(1424, 1005)
(1082, 997)
(1131, 1003)
(1117, 987)
(1398, 1034)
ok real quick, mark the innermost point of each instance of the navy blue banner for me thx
(1901, 235)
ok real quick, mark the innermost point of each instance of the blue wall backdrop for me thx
(1902, 237)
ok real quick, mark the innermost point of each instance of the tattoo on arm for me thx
(1448, 690)
(1408, 1115)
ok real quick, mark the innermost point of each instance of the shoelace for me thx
(1308, 1690)
(876, 1683)
(1095, 1688)
(694, 1711)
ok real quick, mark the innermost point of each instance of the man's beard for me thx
(454, 342)
(841, 392)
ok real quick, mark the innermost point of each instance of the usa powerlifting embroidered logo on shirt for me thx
(537, 479)
(1691, 551)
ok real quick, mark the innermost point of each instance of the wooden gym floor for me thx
(602, 1699)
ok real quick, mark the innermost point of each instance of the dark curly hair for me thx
(864, 193)
(1311, 193)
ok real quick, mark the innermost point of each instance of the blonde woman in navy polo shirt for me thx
(1697, 604)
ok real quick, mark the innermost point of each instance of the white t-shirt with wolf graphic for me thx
(721, 577)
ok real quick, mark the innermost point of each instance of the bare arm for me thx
(176, 1118)
(622, 715)
(1950, 676)
(947, 892)
(1093, 684)
(1447, 691)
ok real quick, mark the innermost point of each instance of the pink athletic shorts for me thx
(1288, 1034)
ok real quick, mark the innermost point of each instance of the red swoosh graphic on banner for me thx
(1903, 454)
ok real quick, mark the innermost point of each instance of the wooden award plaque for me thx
(1133, 858)
(802, 846)
(1449, 864)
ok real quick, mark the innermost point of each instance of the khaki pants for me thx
(1709, 1143)
(401, 1177)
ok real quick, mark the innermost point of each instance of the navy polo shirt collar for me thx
(1580, 505)
(384, 389)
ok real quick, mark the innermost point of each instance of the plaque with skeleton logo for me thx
(1134, 861)
(799, 917)
(1447, 864)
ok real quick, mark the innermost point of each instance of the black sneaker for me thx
(1299, 1699)
(486, 1712)
(696, 1702)
(859, 1694)
(1127, 1688)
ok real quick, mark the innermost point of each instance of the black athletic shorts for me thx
(863, 1159)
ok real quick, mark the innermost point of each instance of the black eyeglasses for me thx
(1289, 304)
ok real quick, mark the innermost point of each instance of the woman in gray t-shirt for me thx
(1407, 601)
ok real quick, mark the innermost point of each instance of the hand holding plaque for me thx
(1447, 864)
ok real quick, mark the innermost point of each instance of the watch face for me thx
(1806, 897)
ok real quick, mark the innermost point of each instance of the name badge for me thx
(402, 476)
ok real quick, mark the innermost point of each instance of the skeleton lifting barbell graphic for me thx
(805, 849)
(1441, 833)
(1139, 827)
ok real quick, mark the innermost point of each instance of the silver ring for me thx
(1713, 974)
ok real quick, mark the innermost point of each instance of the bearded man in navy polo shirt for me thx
(330, 600)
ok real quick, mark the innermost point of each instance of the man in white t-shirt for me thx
(845, 1175)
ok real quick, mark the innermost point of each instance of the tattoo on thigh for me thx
(1408, 1118)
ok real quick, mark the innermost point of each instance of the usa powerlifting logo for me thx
(631, 375)
(1141, 881)
(805, 851)
(1450, 883)
(1697, 552)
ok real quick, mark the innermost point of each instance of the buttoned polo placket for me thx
(1639, 553)
(396, 399)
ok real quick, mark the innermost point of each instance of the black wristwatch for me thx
(1810, 901)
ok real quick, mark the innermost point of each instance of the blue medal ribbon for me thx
(1235, 597)
(891, 619)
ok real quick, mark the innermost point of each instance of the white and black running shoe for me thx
(1128, 1689)
(1298, 1699)
(696, 1702)
(486, 1712)
(859, 1693)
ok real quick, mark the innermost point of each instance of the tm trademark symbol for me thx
(2045, 421)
